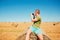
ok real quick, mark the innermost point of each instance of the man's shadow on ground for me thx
(32, 37)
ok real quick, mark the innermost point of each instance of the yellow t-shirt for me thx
(38, 22)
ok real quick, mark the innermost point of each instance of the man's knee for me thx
(28, 32)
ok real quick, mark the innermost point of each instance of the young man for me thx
(35, 27)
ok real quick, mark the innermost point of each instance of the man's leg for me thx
(39, 33)
(28, 34)
(40, 36)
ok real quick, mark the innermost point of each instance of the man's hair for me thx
(38, 11)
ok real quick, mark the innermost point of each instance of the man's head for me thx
(37, 12)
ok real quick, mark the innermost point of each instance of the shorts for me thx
(36, 30)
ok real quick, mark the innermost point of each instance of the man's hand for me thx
(33, 20)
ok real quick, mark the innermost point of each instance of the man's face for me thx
(36, 12)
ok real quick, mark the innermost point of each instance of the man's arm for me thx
(33, 20)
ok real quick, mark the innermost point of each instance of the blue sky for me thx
(20, 10)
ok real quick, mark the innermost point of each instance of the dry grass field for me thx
(12, 30)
